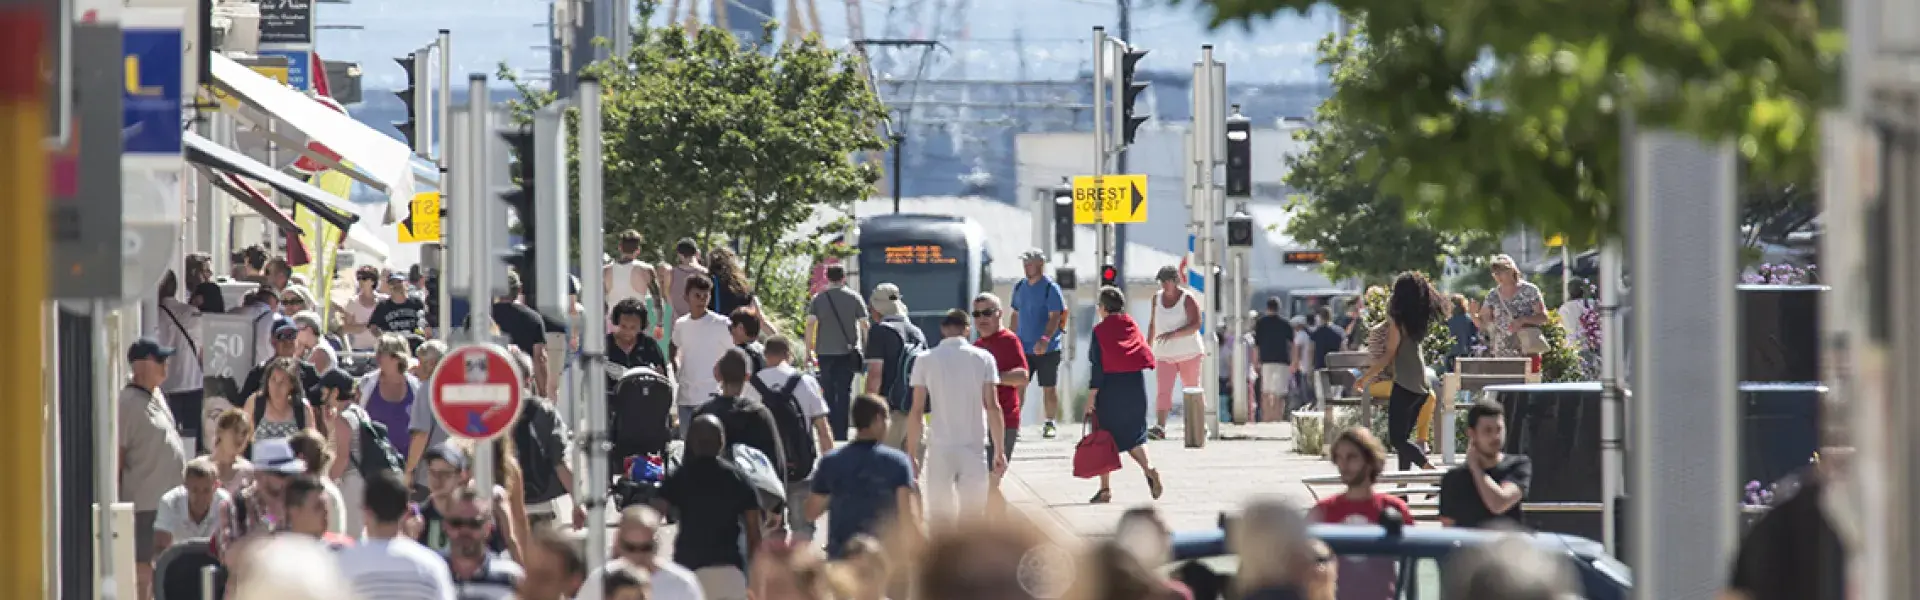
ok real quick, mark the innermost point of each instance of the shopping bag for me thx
(1096, 454)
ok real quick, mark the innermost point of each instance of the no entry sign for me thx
(476, 392)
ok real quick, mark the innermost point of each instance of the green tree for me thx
(1507, 111)
(1341, 211)
(723, 142)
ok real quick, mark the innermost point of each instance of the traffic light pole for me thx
(593, 337)
(1103, 251)
(443, 111)
(1209, 92)
(478, 236)
(1120, 134)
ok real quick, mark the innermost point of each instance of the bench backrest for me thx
(1493, 366)
(1475, 383)
(1348, 360)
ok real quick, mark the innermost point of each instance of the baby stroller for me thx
(639, 407)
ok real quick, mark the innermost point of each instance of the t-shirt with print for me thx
(175, 516)
(1461, 502)
(861, 481)
(152, 455)
(700, 342)
(885, 343)
(1363, 577)
(1008, 354)
(1035, 303)
(837, 311)
(712, 497)
(405, 316)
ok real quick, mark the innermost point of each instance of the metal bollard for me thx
(207, 577)
(1194, 408)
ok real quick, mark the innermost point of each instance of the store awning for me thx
(368, 155)
(234, 186)
(203, 151)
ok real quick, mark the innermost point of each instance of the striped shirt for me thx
(496, 580)
(396, 569)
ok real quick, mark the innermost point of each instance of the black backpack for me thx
(795, 437)
(376, 453)
(900, 382)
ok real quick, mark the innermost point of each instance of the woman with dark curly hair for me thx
(730, 287)
(1413, 305)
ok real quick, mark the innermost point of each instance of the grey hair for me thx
(434, 348)
(307, 319)
(987, 297)
(1510, 568)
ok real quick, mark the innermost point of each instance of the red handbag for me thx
(1096, 454)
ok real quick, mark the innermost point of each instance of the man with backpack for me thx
(800, 414)
(893, 344)
(354, 434)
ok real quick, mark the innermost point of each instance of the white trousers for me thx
(956, 482)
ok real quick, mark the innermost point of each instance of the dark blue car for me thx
(1421, 552)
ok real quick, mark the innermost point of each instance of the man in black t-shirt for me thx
(400, 312)
(714, 500)
(1326, 339)
(524, 329)
(747, 420)
(1492, 484)
(1273, 337)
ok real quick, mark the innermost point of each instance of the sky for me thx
(1052, 36)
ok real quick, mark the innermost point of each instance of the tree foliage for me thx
(1341, 210)
(705, 137)
(1497, 112)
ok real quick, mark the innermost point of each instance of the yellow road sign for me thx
(423, 219)
(276, 73)
(1120, 198)
(1556, 241)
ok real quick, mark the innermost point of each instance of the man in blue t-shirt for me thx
(865, 484)
(1039, 316)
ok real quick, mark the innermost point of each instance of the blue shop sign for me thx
(151, 100)
(299, 67)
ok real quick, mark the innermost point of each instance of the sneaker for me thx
(1049, 430)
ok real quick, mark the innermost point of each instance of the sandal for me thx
(1153, 484)
(1156, 433)
(1101, 497)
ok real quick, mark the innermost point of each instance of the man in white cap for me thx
(892, 346)
(1039, 316)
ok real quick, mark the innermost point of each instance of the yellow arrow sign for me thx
(1556, 241)
(1119, 199)
(423, 219)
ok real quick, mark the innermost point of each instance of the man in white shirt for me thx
(699, 339)
(775, 378)
(191, 511)
(176, 324)
(960, 378)
(636, 544)
(387, 564)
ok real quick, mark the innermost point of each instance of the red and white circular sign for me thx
(477, 392)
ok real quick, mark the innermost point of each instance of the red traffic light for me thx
(1109, 275)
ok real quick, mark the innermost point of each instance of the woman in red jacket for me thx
(1117, 387)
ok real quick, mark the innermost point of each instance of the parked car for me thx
(1420, 553)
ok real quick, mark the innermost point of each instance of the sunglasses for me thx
(473, 523)
(647, 547)
(986, 313)
(292, 300)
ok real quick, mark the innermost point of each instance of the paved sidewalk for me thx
(1255, 459)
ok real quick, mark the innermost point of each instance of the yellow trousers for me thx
(1423, 426)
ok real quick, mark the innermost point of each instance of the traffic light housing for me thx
(412, 97)
(1109, 276)
(1239, 155)
(1063, 218)
(1239, 230)
(1066, 278)
(519, 198)
(1130, 91)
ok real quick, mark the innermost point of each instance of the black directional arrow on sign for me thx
(1139, 199)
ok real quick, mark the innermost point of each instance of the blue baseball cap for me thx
(145, 348)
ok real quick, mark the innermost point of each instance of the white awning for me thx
(380, 161)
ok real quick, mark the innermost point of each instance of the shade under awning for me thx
(203, 151)
(384, 159)
(248, 195)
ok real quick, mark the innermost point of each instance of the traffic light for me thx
(1063, 217)
(1066, 278)
(1239, 156)
(1130, 92)
(519, 197)
(1239, 230)
(414, 98)
(1109, 276)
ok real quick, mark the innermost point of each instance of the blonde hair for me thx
(395, 345)
(1502, 263)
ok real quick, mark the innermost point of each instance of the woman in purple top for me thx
(388, 393)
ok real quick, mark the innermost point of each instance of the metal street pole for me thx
(1120, 136)
(443, 105)
(1103, 253)
(1613, 356)
(593, 340)
(478, 236)
(23, 168)
(1685, 401)
(899, 144)
(1209, 140)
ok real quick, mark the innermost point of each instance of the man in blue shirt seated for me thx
(866, 485)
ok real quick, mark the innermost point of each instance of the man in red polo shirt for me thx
(1011, 359)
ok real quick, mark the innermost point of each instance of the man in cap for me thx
(286, 344)
(153, 460)
(892, 345)
(1039, 316)
(401, 312)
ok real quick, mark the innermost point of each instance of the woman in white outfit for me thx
(1174, 330)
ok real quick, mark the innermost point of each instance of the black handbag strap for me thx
(834, 308)
(183, 329)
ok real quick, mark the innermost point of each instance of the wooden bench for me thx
(1332, 385)
(1472, 375)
